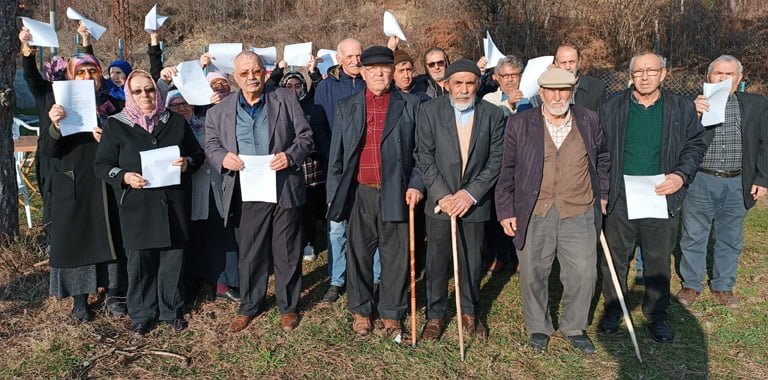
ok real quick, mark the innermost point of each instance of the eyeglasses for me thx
(432, 65)
(148, 91)
(510, 76)
(255, 72)
(219, 84)
(649, 72)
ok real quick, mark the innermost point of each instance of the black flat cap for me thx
(462, 65)
(377, 54)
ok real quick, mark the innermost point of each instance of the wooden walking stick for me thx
(620, 293)
(412, 254)
(456, 281)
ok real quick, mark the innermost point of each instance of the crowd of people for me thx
(528, 180)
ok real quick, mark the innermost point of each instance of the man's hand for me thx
(482, 63)
(515, 96)
(279, 162)
(97, 134)
(232, 162)
(672, 183)
(56, 114)
(206, 59)
(702, 105)
(413, 197)
(393, 42)
(181, 161)
(167, 74)
(461, 203)
(758, 192)
(216, 98)
(282, 64)
(25, 36)
(604, 206)
(134, 180)
(510, 226)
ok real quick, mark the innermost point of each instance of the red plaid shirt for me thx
(369, 168)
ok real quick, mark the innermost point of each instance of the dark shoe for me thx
(362, 325)
(240, 323)
(582, 343)
(332, 294)
(726, 298)
(433, 330)
(538, 342)
(661, 332)
(178, 324)
(230, 295)
(116, 307)
(687, 296)
(289, 321)
(142, 328)
(609, 325)
(474, 326)
(82, 314)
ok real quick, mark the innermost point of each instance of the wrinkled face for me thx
(403, 75)
(436, 63)
(220, 86)
(249, 75)
(555, 100)
(508, 77)
(349, 56)
(144, 93)
(377, 77)
(117, 75)
(462, 88)
(295, 85)
(180, 106)
(567, 58)
(722, 70)
(647, 74)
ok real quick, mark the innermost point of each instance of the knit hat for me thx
(401, 56)
(213, 75)
(462, 65)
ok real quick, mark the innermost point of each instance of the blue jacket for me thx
(338, 85)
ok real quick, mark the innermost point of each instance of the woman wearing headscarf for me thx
(118, 71)
(154, 221)
(83, 248)
(212, 251)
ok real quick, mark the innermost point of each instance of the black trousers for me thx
(312, 211)
(657, 237)
(154, 284)
(266, 232)
(365, 232)
(471, 241)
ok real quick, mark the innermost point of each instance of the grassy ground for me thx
(39, 340)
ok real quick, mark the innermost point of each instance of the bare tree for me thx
(9, 209)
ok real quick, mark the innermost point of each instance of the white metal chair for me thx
(20, 160)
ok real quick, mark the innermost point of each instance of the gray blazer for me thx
(288, 130)
(439, 157)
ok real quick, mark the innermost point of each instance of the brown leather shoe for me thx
(362, 325)
(240, 323)
(687, 296)
(289, 321)
(433, 330)
(474, 326)
(726, 298)
(392, 328)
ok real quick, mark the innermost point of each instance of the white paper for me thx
(492, 53)
(224, 56)
(258, 183)
(42, 33)
(392, 27)
(717, 96)
(156, 167)
(78, 97)
(152, 21)
(297, 54)
(642, 200)
(191, 82)
(95, 29)
(329, 60)
(268, 56)
(529, 83)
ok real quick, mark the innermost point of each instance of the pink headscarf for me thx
(84, 59)
(132, 110)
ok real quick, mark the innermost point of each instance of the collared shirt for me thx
(369, 167)
(254, 109)
(558, 133)
(724, 153)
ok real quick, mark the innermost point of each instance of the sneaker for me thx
(309, 252)
(231, 295)
(332, 294)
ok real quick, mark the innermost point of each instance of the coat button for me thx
(535, 192)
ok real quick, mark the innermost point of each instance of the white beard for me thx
(463, 106)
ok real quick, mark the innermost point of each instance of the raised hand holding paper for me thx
(392, 27)
(268, 56)
(328, 60)
(42, 33)
(95, 29)
(492, 53)
(78, 97)
(717, 97)
(190, 81)
(297, 54)
(152, 21)
(224, 56)
(156, 167)
(529, 83)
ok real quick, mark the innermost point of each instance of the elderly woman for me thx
(118, 71)
(82, 255)
(154, 221)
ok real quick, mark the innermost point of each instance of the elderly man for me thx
(553, 181)
(650, 131)
(403, 74)
(731, 178)
(372, 182)
(262, 120)
(460, 142)
(589, 92)
(431, 82)
(508, 97)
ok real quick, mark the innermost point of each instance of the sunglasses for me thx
(148, 91)
(432, 65)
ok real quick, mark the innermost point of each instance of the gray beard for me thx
(462, 107)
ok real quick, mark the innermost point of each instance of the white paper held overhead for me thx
(268, 56)
(191, 82)
(95, 29)
(297, 54)
(153, 21)
(529, 83)
(492, 53)
(224, 56)
(42, 33)
(392, 27)
(327, 60)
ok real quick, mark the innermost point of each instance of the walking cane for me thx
(412, 254)
(617, 286)
(456, 281)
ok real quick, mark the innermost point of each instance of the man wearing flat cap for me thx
(552, 190)
(372, 180)
(460, 145)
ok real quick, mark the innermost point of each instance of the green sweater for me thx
(642, 141)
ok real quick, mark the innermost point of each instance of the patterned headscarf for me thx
(132, 110)
(55, 68)
(84, 59)
(293, 74)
